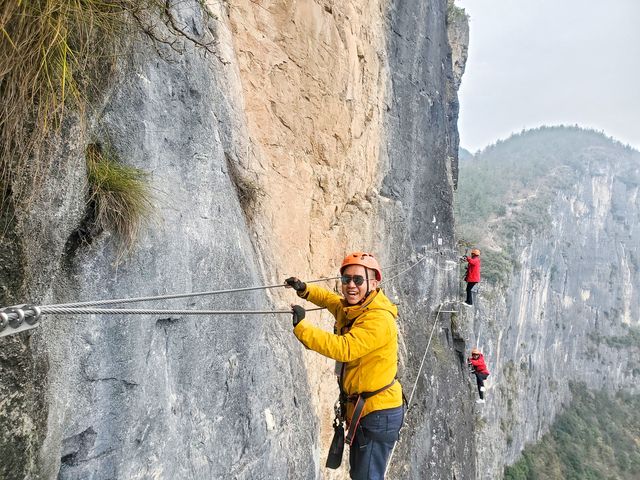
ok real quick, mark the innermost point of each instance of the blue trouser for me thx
(372, 445)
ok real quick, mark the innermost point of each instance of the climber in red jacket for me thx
(473, 274)
(479, 368)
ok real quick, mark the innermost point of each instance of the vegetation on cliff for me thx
(455, 13)
(119, 194)
(56, 59)
(51, 56)
(597, 437)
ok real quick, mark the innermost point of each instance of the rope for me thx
(415, 384)
(117, 301)
(393, 265)
(30, 315)
(421, 258)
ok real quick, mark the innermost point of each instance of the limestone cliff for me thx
(566, 310)
(303, 130)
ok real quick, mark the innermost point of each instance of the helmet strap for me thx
(366, 274)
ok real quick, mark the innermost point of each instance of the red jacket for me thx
(479, 365)
(473, 269)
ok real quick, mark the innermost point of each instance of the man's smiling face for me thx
(354, 274)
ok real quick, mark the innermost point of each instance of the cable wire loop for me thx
(16, 316)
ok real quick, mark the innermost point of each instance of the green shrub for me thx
(497, 266)
(120, 195)
(455, 13)
(631, 339)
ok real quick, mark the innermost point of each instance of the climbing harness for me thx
(334, 457)
(360, 400)
(336, 449)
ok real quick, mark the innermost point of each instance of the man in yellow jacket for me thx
(365, 340)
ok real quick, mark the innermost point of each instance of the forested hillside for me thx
(596, 438)
(507, 188)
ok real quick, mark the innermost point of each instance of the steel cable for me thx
(31, 314)
(415, 384)
(422, 258)
(151, 311)
(177, 295)
(116, 301)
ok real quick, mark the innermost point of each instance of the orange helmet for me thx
(362, 258)
(475, 351)
(475, 251)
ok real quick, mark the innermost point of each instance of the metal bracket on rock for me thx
(18, 318)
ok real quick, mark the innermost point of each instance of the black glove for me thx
(296, 284)
(298, 313)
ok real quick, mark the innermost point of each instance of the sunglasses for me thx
(357, 279)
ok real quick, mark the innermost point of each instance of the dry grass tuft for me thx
(53, 55)
(49, 52)
(121, 195)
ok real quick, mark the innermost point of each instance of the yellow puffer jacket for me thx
(366, 341)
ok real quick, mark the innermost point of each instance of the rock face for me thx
(306, 130)
(421, 151)
(569, 313)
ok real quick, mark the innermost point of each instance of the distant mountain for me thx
(464, 155)
(509, 186)
(510, 168)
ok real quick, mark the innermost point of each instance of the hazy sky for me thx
(549, 62)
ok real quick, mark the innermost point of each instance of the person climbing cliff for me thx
(472, 277)
(479, 369)
(365, 340)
